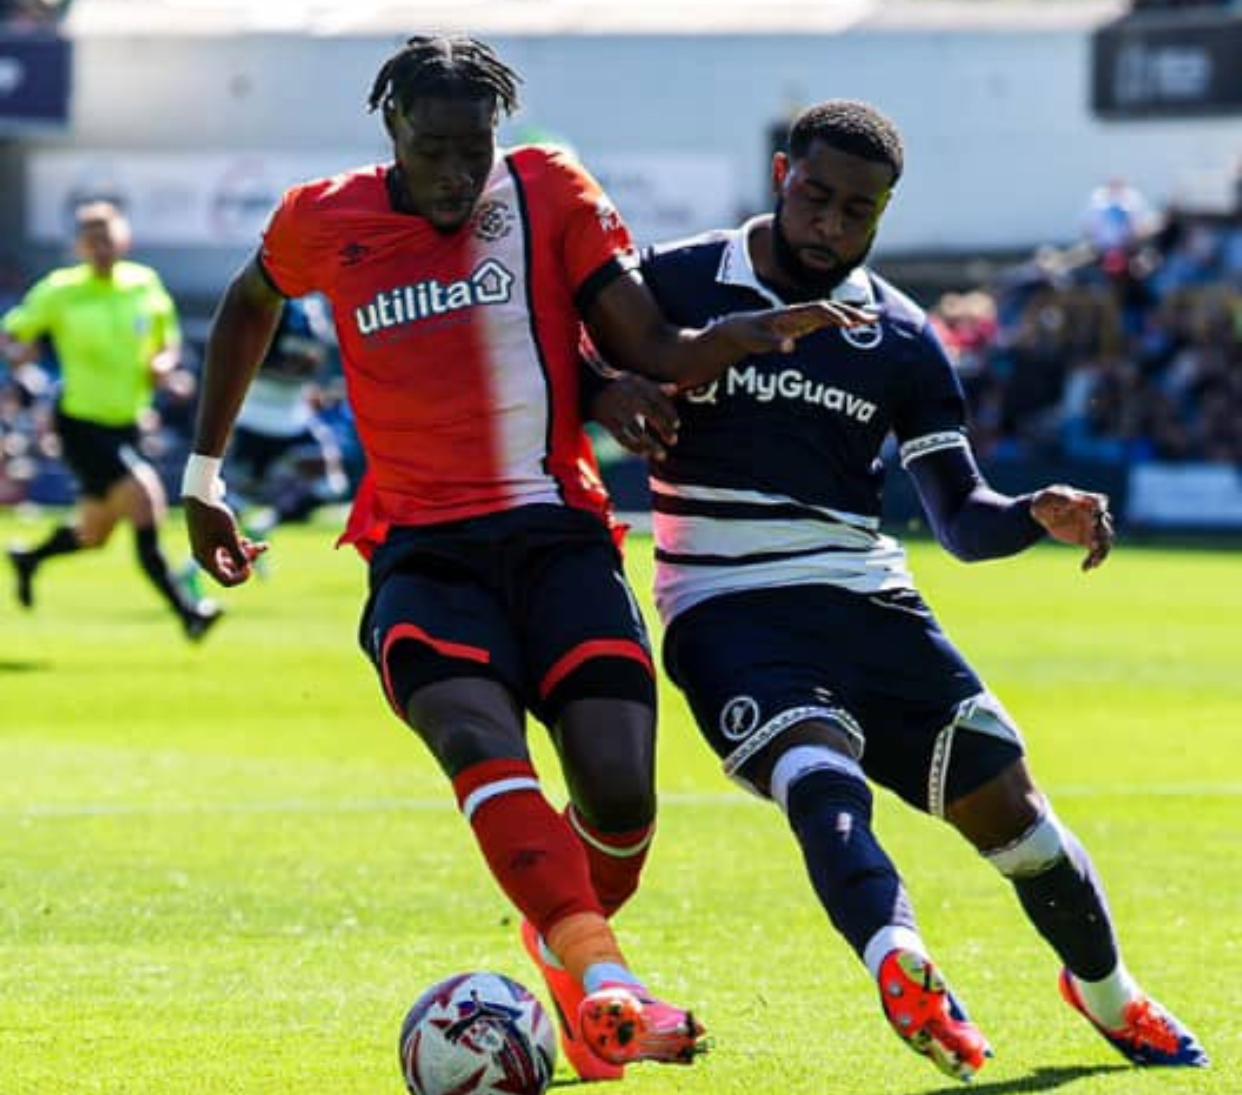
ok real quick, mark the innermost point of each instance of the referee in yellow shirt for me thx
(115, 331)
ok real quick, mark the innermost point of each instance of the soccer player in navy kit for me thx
(810, 661)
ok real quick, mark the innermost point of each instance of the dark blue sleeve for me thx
(931, 402)
(970, 519)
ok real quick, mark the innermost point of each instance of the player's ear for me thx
(390, 117)
(780, 171)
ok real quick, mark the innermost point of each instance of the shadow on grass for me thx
(1041, 1079)
(13, 666)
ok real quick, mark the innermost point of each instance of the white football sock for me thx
(892, 937)
(1106, 1000)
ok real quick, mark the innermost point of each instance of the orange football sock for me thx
(582, 940)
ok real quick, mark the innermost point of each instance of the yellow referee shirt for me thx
(105, 330)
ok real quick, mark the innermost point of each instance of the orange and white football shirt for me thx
(459, 350)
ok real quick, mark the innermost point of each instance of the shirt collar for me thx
(736, 268)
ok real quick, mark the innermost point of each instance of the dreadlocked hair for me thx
(849, 126)
(454, 67)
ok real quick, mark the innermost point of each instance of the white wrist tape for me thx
(201, 479)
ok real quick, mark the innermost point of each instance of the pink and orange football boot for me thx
(622, 1024)
(925, 1015)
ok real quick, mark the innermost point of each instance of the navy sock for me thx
(1066, 904)
(856, 882)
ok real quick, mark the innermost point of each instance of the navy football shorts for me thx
(534, 598)
(878, 666)
(99, 456)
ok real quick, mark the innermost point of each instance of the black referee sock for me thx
(156, 568)
(62, 541)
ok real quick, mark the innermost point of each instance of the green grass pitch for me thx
(228, 869)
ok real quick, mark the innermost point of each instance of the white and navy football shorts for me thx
(877, 666)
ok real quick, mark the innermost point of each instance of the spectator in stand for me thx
(1116, 218)
(967, 326)
(1134, 361)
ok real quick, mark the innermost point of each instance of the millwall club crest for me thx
(864, 337)
(739, 718)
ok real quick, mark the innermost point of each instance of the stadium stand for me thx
(1115, 356)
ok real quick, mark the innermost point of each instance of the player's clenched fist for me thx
(1076, 517)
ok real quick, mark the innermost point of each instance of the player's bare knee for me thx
(466, 720)
(93, 534)
(607, 750)
(753, 762)
(817, 734)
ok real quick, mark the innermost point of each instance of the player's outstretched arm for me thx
(971, 521)
(239, 337)
(1076, 517)
(628, 326)
(974, 522)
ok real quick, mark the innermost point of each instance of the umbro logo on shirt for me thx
(353, 253)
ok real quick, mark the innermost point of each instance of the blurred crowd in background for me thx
(31, 14)
(1124, 347)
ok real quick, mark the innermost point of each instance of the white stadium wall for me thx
(1002, 148)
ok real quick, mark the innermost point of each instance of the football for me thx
(477, 1034)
